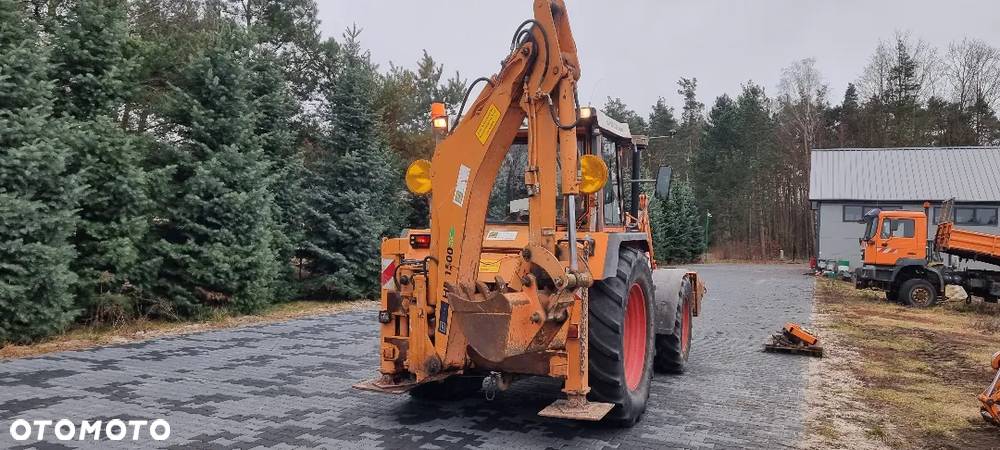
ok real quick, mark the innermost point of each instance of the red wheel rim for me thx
(685, 326)
(635, 336)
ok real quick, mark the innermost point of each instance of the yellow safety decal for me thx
(489, 124)
(489, 265)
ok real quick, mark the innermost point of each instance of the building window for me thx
(856, 213)
(970, 216)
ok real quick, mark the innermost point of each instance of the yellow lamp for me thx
(593, 174)
(418, 177)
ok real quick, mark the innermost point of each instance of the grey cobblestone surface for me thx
(289, 385)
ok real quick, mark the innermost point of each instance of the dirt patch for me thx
(896, 377)
(142, 329)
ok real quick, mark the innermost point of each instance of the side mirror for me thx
(663, 177)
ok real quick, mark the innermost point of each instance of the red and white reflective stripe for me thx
(388, 268)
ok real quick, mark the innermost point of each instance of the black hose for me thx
(555, 118)
(545, 38)
(465, 99)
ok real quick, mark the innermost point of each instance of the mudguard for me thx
(671, 285)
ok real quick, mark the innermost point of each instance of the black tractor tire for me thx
(671, 349)
(918, 293)
(449, 389)
(608, 301)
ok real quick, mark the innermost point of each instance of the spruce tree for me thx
(353, 194)
(678, 235)
(92, 75)
(275, 126)
(215, 226)
(37, 192)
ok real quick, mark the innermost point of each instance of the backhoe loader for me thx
(534, 264)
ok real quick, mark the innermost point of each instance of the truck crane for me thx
(558, 282)
(899, 260)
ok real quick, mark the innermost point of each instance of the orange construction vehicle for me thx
(534, 264)
(899, 260)
(990, 398)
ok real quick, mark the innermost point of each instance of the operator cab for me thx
(597, 134)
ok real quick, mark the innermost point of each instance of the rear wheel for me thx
(918, 292)
(621, 338)
(672, 349)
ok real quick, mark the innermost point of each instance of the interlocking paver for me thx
(288, 385)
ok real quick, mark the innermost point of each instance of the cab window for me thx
(612, 195)
(900, 228)
(509, 199)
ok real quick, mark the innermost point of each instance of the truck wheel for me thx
(449, 389)
(672, 349)
(621, 338)
(918, 292)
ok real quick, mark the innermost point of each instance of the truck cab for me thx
(891, 236)
(896, 259)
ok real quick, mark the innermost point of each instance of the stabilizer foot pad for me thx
(590, 411)
(378, 386)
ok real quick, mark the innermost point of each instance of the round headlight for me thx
(418, 177)
(593, 174)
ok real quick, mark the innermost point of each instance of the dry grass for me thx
(82, 337)
(911, 374)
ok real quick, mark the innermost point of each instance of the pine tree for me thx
(215, 227)
(616, 109)
(37, 192)
(92, 74)
(353, 191)
(276, 108)
(678, 235)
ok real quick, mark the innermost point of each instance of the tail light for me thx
(420, 240)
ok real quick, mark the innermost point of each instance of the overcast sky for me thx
(637, 49)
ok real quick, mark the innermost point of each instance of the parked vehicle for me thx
(899, 260)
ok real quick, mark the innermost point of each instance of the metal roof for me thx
(969, 174)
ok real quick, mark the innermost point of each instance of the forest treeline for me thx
(747, 157)
(171, 158)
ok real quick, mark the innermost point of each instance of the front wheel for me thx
(672, 349)
(621, 338)
(918, 293)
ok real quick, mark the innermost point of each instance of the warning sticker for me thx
(489, 123)
(461, 185)
(388, 271)
(489, 265)
(498, 235)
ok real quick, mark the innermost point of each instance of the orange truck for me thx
(900, 260)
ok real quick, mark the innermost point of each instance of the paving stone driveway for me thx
(289, 385)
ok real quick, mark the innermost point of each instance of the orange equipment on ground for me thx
(534, 263)
(990, 398)
(795, 339)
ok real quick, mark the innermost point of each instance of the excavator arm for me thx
(537, 82)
